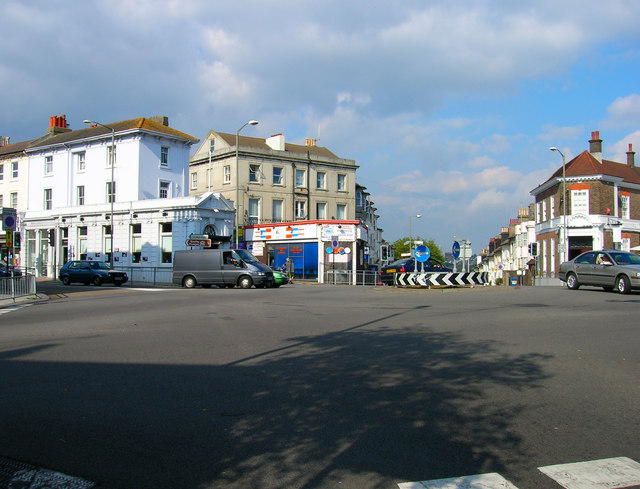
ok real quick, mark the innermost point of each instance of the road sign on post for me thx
(8, 218)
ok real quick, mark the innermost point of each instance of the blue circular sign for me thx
(329, 250)
(9, 222)
(421, 253)
(456, 250)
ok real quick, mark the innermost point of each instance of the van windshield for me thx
(246, 256)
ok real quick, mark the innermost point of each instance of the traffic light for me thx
(533, 249)
(52, 237)
(16, 239)
(384, 252)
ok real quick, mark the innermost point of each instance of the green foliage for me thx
(400, 247)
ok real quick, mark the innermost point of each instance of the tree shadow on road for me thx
(373, 402)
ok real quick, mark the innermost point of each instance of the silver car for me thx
(609, 269)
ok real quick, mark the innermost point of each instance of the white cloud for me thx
(623, 112)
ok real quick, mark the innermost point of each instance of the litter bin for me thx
(513, 281)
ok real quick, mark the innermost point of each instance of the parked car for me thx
(407, 265)
(5, 271)
(609, 269)
(91, 272)
(279, 277)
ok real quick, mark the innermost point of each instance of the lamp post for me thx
(236, 225)
(112, 190)
(417, 216)
(564, 241)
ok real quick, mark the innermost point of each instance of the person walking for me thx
(289, 269)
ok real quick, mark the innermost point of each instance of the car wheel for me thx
(245, 282)
(189, 282)
(97, 281)
(66, 280)
(623, 285)
(572, 281)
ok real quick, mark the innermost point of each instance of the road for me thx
(318, 387)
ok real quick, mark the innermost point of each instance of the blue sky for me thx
(449, 107)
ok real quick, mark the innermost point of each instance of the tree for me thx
(400, 247)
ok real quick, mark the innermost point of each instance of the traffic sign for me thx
(9, 218)
(421, 253)
(455, 250)
(199, 242)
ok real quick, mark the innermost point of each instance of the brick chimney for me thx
(631, 156)
(57, 125)
(595, 145)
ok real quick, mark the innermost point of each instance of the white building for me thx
(74, 192)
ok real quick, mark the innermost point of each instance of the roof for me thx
(141, 123)
(8, 149)
(586, 164)
(261, 144)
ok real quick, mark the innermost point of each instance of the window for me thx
(14, 169)
(106, 243)
(166, 241)
(276, 210)
(624, 206)
(111, 192)
(254, 173)
(342, 182)
(194, 180)
(112, 151)
(82, 242)
(79, 160)
(300, 178)
(544, 210)
(163, 192)
(277, 176)
(164, 156)
(48, 194)
(300, 209)
(227, 174)
(580, 202)
(136, 243)
(13, 199)
(80, 195)
(321, 178)
(321, 210)
(552, 205)
(254, 211)
(48, 165)
(212, 145)
(1, 200)
(1, 172)
(341, 212)
(538, 212)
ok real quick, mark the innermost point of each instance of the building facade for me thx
(116, 193)
(602, 203)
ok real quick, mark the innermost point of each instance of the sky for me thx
(448, 107)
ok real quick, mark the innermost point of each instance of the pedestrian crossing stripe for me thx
(480, 481)
(610, 473)
(5, 310)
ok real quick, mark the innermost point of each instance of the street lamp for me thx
(417, 216)
(236, 225)
(564, 241)
(112, 190)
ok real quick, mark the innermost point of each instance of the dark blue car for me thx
(407, 265)
(91, 272)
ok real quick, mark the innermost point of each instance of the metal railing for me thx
(14, 287)
(148, 275)
(347, 277)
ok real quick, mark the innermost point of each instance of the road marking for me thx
(480, 481)
(610, 473)
(6, 310)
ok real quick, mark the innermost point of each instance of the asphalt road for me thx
(318, 387)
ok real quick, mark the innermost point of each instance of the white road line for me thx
(481, 481)
(5, 310)
(610, 473)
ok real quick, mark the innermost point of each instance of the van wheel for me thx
(189, 282)
(245, 282)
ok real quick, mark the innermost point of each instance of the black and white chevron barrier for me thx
(451, 279)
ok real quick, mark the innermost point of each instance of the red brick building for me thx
(602, 207)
